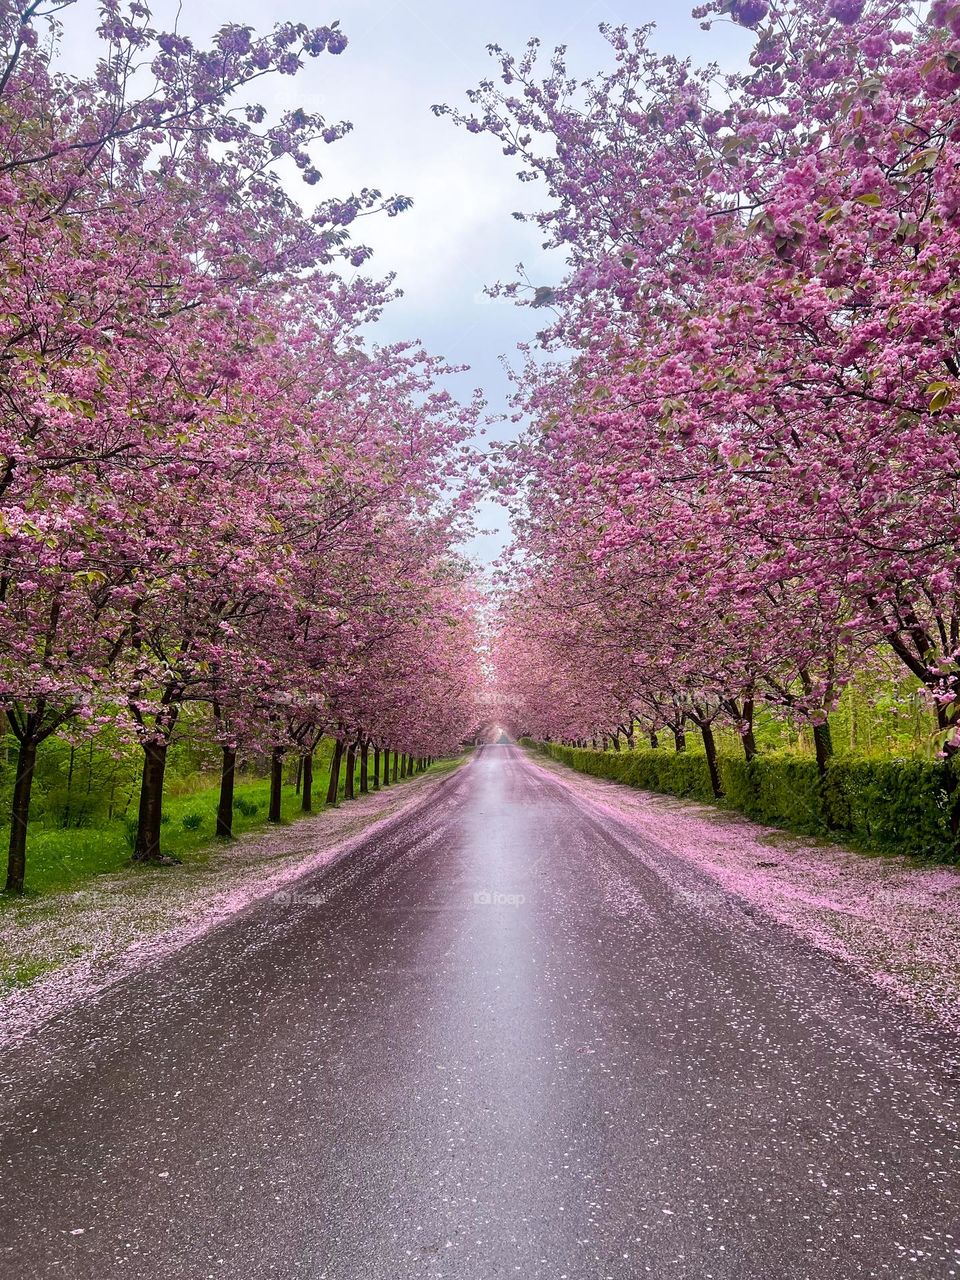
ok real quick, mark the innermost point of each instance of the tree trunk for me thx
(396, 766)
(679, 738)
(364, 767)
(306, 781)
(747, 736)
(299, 779)
(20, 815)
(654, 740)
(710, 747)
(823, 746)
(376, 768)
(276, 784)
(823, 749)
(228, 776)
(333, 787)
(348, 775)
(947, 721)
(386, 767)
(147, 845)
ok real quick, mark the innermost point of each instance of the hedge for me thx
(891, 806)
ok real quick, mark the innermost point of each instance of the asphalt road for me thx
(505, 1038)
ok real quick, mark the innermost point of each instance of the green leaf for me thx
(925, 160)
(940, 395)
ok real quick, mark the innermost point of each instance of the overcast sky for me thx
(405, 55)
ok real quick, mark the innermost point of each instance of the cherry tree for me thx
(761, 307)
(204, 470)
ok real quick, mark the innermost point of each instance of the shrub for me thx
(897, 806)
(192, 821)
(779, 789)
(248, 808)
(900, 805)
(676, 773)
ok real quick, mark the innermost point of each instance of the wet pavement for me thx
(507, 1036)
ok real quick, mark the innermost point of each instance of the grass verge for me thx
(94, 903)
(60, 859)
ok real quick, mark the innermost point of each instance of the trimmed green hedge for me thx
(895, 806)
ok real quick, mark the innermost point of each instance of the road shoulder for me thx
(73, 946)
(894, 920)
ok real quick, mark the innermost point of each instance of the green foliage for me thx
(878, 716)
(248, 808)
(75, 786)
(895, 804)
(892, 806)
(192, 821)
(674, 773)
(678, 773)
(882, 716)
(776, 788)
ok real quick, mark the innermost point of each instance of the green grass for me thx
(22, 973)
(447, 766)
(59, 859)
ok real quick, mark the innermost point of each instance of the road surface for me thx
(505, 1038)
